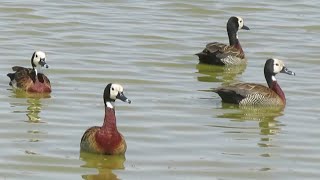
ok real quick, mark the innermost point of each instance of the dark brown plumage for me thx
(31, 79)
(257, 94)
(222, 54)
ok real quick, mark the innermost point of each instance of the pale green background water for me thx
(174, 128)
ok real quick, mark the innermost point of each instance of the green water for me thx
(175, 127)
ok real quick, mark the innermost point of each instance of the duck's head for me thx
(38, 60)
(236, 23)
(274, 66)
(113, 92)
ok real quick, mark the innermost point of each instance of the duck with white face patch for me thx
(38, 61)
(106, 139)
(222, 54)
(256, 94)
(31, 79)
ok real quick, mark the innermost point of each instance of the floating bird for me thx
(106, 139)
(257, 94)
(222, 54)
(31, 79)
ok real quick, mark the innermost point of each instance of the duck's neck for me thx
(234, 41)
(273, 84)
(110, 123)
(38, 70)
(35, 78)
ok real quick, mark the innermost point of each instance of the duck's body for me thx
(257, 94)
(27, 80)
(106, 139)
(222, 54)
(31, 79)
(250, 94)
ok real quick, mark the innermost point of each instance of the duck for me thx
(31, 80)
(216, 53)
(252, 94)
(106, 139)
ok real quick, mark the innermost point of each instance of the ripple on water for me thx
(175, 127)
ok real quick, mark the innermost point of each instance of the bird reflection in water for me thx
(34, 104)
(34, 109)
(225, 74)
(103, 163)
(266, 116)
(268, 125)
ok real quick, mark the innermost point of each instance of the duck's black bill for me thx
(43, 63)
(123, 98)
(245, 27)
(287, 71)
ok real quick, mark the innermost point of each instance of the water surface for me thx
(175, 128)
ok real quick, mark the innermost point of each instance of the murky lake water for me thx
(174, 128)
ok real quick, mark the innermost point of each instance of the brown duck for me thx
(257, 94)
(106, 139)
(222, 54)
(31, 79)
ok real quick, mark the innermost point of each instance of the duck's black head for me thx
(113, 92)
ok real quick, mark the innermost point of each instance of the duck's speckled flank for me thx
(257, 94)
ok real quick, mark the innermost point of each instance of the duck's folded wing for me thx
(23, 76)
(245, 89)
(88, 141)
(222, 50)
(253, 93)
(20, 68)
(43, 79)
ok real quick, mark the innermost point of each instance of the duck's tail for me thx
(11, 76)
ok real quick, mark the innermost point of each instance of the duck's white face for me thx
(39, 59)
(115, 89)
(240, 22)
(277, 66)
(115, 92)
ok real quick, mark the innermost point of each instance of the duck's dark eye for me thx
(36, 56)
(277, 64)
(112, 89)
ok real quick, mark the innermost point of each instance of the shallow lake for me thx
(175, 128)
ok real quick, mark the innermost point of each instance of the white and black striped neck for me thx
(268, 72)
(270, 78)
(38, 70)
(109, 104)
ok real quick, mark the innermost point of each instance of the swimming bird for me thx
(222, 54)
(106, 139)
(31, 79)
(257, 94)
